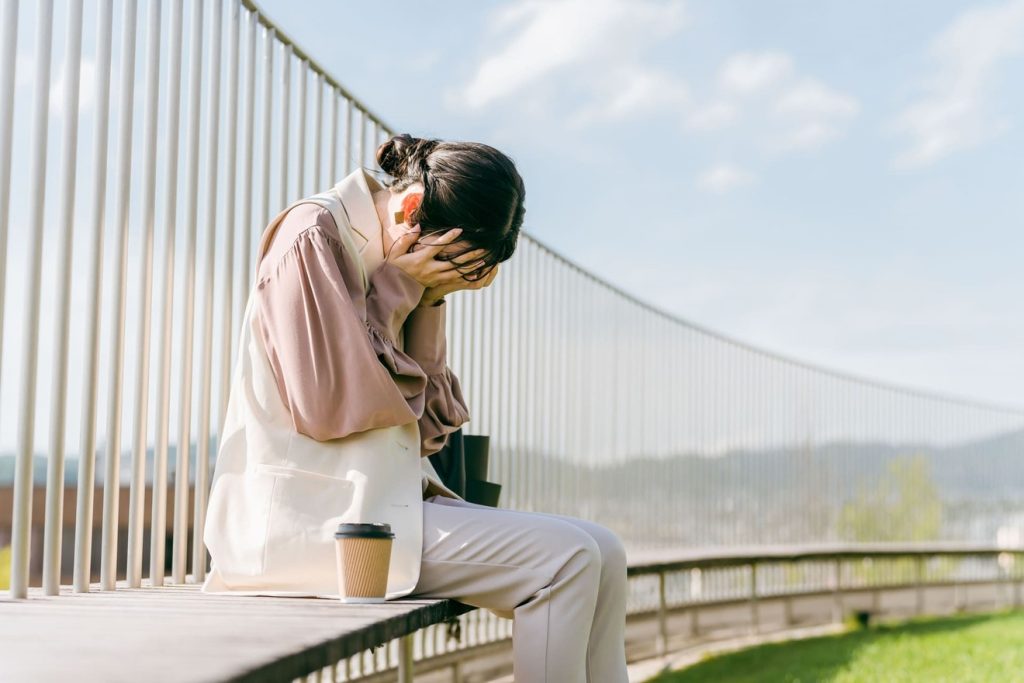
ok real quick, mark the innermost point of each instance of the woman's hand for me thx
(420, 262)
(439, 277)
(433, 294)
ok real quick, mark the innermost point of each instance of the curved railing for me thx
(598, 404)
(690, 600)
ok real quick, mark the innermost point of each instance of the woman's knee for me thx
(584, 550)
(613, 551)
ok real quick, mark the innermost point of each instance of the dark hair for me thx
(468, 185)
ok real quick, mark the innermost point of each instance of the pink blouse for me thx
(333, 349)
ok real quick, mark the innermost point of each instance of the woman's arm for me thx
(445, 409)
(336, 372)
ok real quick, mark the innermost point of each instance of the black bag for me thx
(450, 463)
(462, 466)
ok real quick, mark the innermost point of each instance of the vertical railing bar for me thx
(586, 406)
(661, 641)
(537, 452)
(266, 121)
(248, 139)
(300, 133)
(286, 86)
(318, 119)
(181, 489)
(212, 200)
(112, 483)
(584, 373)
(8, 64)
(556, 413)
(536, 474)
(522, 377)
(566, 457)
(332, 152)
(550, 349)
(576, 404)
(585, 369)
(137, 494)
(87, 438)
(503, 407)
(349, 114)
(519, 327)
(230, 220)
(515, 390)
(472, 350)
(54, 515)
(158, 506)
(476, 390)
(493, 379)
(362, 137)
(21, 524)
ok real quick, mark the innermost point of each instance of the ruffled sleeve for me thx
(333, 353)
(445, 409)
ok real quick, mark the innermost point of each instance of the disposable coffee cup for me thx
(363, 551)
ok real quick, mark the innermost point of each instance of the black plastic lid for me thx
(364, 530)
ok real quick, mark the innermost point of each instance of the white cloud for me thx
(807, 135)
(813, 114)
(631, 91)
(804, 112)
(713, 116)
(813, 98)
(952, 114)
(722, 178)
(748, 72)
(581, 40)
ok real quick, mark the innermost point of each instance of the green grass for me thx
(962, 648)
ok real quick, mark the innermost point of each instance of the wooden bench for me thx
(178, 633)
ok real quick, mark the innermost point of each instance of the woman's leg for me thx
(543, 572)
(536, 542)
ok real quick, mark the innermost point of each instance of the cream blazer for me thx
(277, 495)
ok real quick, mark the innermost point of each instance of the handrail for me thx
(754, 559)
(737, 556)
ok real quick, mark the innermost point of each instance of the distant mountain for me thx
(39, 465)
(989, 469)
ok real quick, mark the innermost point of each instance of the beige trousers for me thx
(561, 579)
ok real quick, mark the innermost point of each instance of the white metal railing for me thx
(598, 404)
(704, 595)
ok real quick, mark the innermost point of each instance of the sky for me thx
(833, 182)
(839, 182)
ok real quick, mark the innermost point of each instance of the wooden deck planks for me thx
(178, 633)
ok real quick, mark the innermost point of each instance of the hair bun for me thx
(403, 155)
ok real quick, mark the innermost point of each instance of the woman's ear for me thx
(410, 203)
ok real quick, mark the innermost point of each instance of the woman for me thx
(347, 323)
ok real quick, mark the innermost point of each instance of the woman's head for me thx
(468, 185)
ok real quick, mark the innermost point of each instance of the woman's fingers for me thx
(480, 283)
(489, 278)
(467, 257)
(432, 248)
(405, 241)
